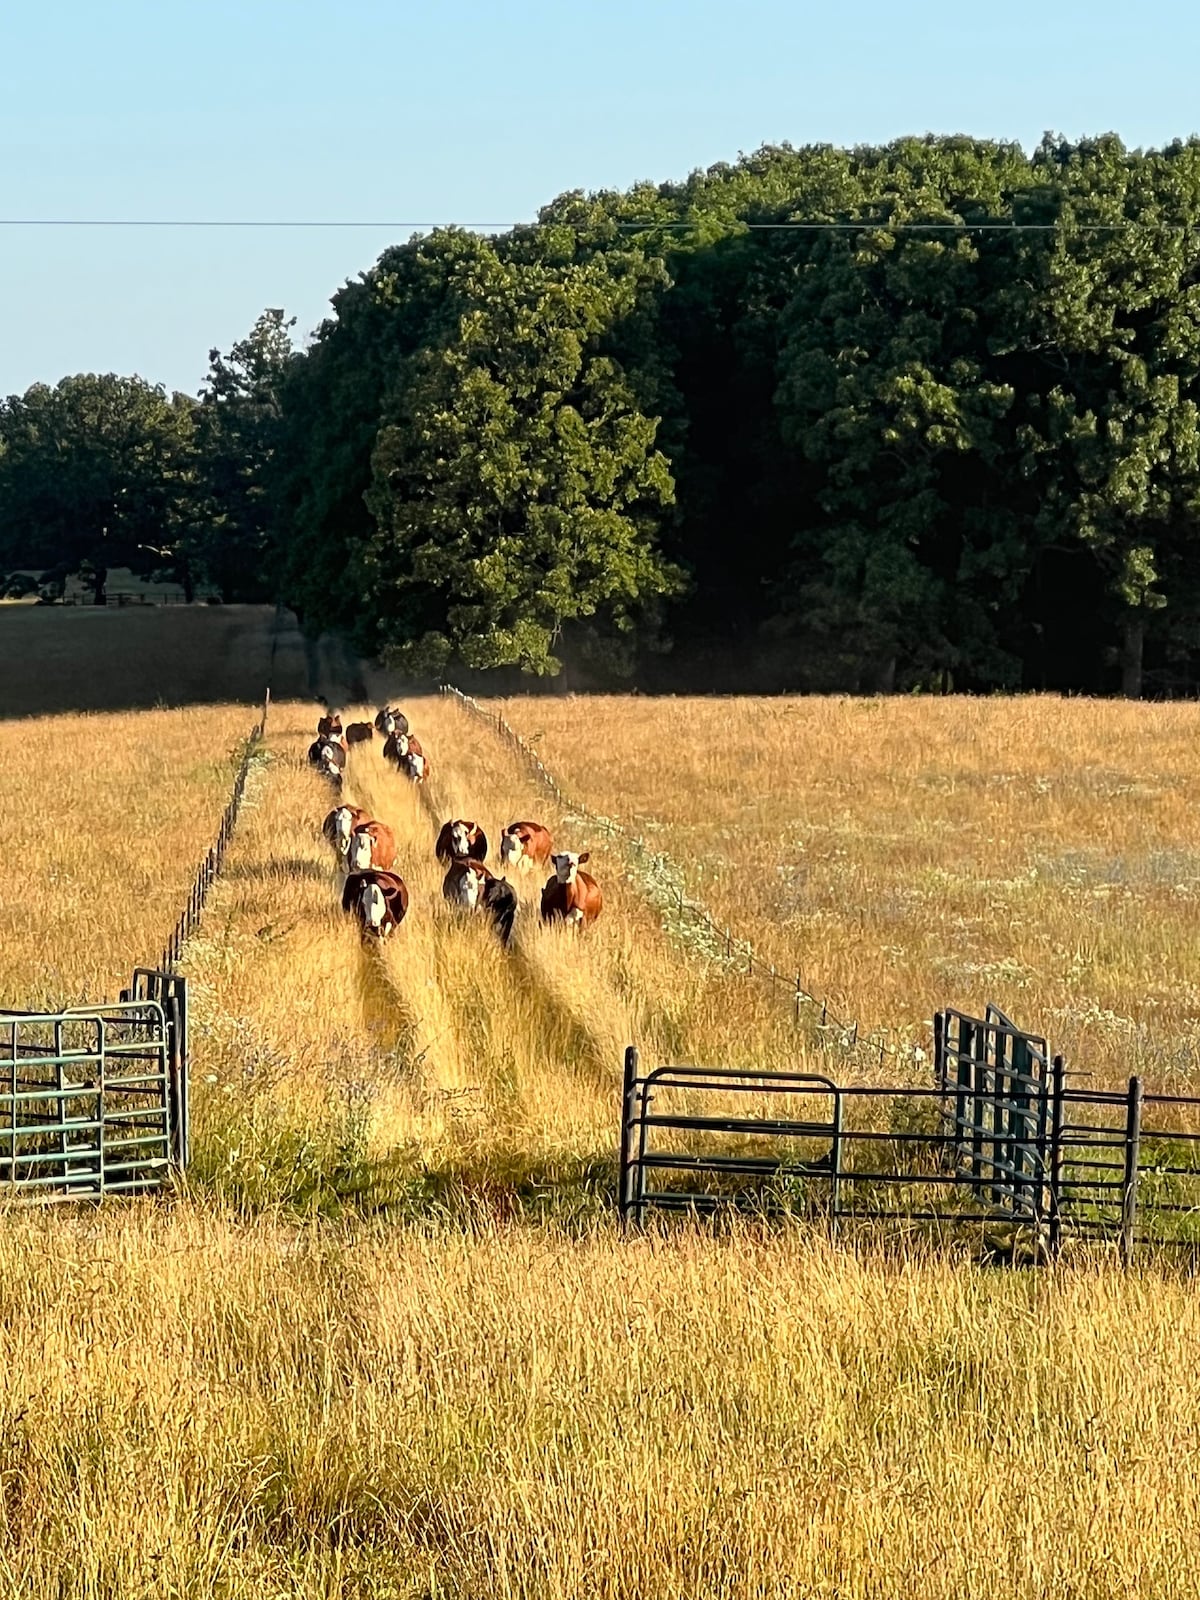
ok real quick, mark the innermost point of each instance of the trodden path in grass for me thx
(463, 1056)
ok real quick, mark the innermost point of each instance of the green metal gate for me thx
(93, 1101)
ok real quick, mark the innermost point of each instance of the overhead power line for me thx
(866, 224)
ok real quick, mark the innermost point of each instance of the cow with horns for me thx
(340, 824)
(525, 845)
(570, 895)
(390, 720)
(379, 901)
(372, 846)
(330, 727)
(459, 838)
(469, 884)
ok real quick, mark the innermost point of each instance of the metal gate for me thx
(93, 1101)
(997, 1084)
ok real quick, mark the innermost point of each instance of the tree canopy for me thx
(917, 415)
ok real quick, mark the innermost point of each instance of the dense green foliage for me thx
(915, 416)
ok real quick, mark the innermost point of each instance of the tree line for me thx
(919, 416)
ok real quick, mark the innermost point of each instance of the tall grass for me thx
(194, 1408)
(345, 1362)
(910, 853)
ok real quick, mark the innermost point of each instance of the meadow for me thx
(387, 1340)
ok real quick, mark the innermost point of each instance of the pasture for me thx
(388, 1342)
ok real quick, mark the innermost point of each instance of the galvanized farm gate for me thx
(93, 1100)
(1000, 1137)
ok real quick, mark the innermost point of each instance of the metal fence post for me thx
(628, 1117)
(1133, 1141)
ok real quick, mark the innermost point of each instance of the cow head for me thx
(343, 827)
(461, 836)
(401, 743)
(468, 886)
(359, 856)
(388, 722)
(512, 847)
(329, 725)
(373, 905)
(567, 865)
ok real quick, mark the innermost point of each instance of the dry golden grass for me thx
(235, 1402)
(192, 1408)
(911, 853)
(106, 819)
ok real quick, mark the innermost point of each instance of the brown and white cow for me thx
(571, 895)
(525, 845)
(470, 885)
(379, 900)
(391, 720)
(372, 847)
(329, 758)
(340, 824)
(330, 727)
(359, 733)
(404, 752)
(459, 838)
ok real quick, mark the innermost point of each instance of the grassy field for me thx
(389, 1344)
(907, 854)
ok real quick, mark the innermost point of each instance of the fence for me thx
(722, 942)
(998, 1138)
(210, 867)
(93, 1100)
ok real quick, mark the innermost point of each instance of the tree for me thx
(94, 473)
(516, 483)
(238, 431)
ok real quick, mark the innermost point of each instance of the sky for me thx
(404, 113)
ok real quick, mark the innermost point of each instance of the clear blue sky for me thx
(469, 112)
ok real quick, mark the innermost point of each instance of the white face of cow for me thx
(511, 849)
(374, 907)
(343, 827)
(416, 766)
(468, 889)
(401, 744)
(567, 864)
(389, 724)
(360, 852)
(460, 839)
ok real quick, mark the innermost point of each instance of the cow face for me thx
(359, 858)
(460, 837)
(567, 865)
(401, 742)
(512, 847)
(467, 888)
(389, 723)
(343, 827)
(373, 907)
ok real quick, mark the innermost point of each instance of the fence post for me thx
(1058, 1082)
(628, 1117)
(1133, 1141)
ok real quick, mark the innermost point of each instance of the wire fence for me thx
(721, 942)
(210, 868)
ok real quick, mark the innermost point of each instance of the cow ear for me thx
(586, 856)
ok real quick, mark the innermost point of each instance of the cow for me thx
(459, 838)
(469, 884)
(340, 824)
(525, 845)
(404, 751)
(329, 758)
(378, 899)
(330, 726)
(372, 846)
(359, 733)
(571, 895)
(390, 721)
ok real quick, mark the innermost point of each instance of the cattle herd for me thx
(375, 893)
